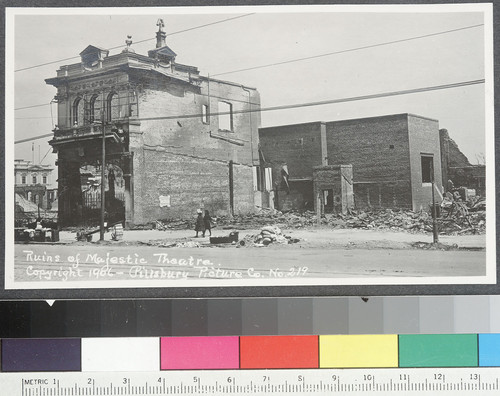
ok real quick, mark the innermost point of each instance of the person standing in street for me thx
(207, 222)
(200, 224)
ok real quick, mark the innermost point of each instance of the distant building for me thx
(34, 183)
(175, 140)
(394, 159)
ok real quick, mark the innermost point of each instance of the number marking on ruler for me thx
(412, 381)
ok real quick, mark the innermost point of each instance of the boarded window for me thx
(225, 111)
(427, 168)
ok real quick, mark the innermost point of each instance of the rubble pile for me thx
(267, 235)
(471, 222)
(414, 222)
(164, 225)
(266, 217)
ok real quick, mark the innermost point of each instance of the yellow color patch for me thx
(379, 350)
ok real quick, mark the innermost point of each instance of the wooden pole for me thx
(435, 236)
(103, 174)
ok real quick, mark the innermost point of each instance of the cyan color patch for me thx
(489, 350)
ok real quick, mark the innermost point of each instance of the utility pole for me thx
(103, 174)
(435, 236)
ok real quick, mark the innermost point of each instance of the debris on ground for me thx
(267, 235)
(456, 217)
(458, 222)
(164, 225)
(434, 246)
(188, 244)
(231, 238)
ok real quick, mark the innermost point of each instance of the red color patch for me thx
(284, 352)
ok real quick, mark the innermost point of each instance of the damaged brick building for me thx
(394, 159)
(175, 140)
(457, 167)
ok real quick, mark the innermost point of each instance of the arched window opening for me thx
(95, 109)
(113, 105)
(77, 111)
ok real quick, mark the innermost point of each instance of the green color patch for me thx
(438, 350)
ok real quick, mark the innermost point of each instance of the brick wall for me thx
(337, 180)
(187, 159)
(424, 140)
(451, 157)
(191, 135)
(382, 195)
(378, 150)
(191, 183)
(298, 146)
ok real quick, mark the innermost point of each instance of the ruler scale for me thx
(411, 381)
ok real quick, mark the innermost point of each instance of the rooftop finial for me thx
(160, 25)
(160, 34)
(128, 41)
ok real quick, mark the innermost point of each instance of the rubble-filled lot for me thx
(455, 217)
(390, 220)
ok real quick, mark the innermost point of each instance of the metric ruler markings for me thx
(442, 381)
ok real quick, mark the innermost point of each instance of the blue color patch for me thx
(489, 350)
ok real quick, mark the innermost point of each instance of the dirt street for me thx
(320, 254)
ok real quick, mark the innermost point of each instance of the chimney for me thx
(160, 34)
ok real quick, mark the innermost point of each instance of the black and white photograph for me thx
(249, 146)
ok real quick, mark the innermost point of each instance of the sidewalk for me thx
(311, 238)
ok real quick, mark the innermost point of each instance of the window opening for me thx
(204, 114)
(113, 106)
(77, 111)
(427, 168)
(94, 114)
(225, 116)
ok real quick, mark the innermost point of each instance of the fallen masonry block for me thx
(232, 237)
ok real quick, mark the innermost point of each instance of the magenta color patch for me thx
(192, 353)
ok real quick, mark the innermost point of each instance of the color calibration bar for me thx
(154, 354)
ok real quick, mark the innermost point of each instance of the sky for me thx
(268, 35)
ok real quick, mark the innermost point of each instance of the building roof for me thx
(92, 49)
(263, 129)
(21, 165)
(162, 51)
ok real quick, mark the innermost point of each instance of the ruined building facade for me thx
(175, 141)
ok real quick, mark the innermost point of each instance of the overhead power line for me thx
(349, 50)
(33, 138)
(30, 107)
(307, 104)
(302, 59)
(138, 42)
